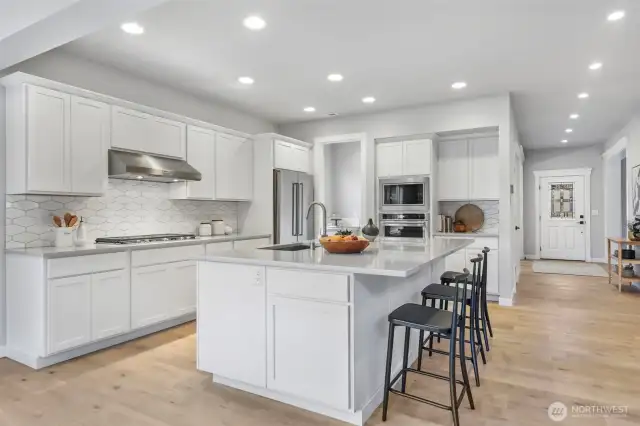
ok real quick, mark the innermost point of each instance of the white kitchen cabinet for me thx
(183, 288)
(290, 156)
(232, 345)
(89, 142)
(456, 261)
(453, 170)
(167, 137)
(218, 247)
(493, 286)
(201, 146)
(251, 244)
(110, 304)
(389, 159)
(308, 350)
(416, 157)
(69, 313)
(150, 294)
(234, 168)
(484, 169)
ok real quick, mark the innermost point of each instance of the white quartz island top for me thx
(380, 258)
(58, 252)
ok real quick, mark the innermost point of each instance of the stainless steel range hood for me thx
(136, 165)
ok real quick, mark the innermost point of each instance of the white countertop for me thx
(380, 258)
(57, 252)
(465, 234)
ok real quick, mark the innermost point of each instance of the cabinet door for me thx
(183, 288)
(89, 145)
(456, 261)
(283, 156)
(69, 313)
(167, 137)
(48, 130)
(110, 304)
(231, 321)
(130, 129)
(493, 284)
(234, 168)
(201, 145)
(453, 173)
(301, 159)
(150, 294)
(250, 244)
(308, 350)
(484, 169)
(214, 248)
(416, 157)
(389, 159)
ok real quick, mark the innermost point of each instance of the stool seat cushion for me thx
(422, 318)
(444, 292)
(449, 276)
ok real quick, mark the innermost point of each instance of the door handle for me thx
(301, 206)
(294, 209)
(582, 222)
(517, 228)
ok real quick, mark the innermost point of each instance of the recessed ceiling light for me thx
(569, 130)
(332, 114)
(138, 177)
(309, 109)
(574, 116)
(564, 141)
(176, 180)
(583, 95)
(132, 28)
(459, 85)
(595, 66)
(335, 77)
(254, 23)
(369, 100)
(245, 80)
(616, 16)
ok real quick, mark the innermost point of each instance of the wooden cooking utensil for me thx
(57, 221)
(472, 216)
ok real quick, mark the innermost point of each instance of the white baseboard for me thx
(505, 301)
(531, 257)
(598, 260)
(3, 352)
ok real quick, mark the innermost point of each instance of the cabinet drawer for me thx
(78, 265)
(219, 247)
(311, 285)
(482, 242)
(164, 255)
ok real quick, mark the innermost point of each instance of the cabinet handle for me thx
(273, 339)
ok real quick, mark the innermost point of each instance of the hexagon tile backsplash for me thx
(128, 208)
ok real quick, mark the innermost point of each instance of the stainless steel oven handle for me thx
(403, 223)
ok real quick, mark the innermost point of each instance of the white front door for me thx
(563, 218)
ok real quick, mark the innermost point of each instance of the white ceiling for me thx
(16, 15)
(403, 53)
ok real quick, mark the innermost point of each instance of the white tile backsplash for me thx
(128, 208)
(491, 211)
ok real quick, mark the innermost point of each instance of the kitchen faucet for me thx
(323, 228)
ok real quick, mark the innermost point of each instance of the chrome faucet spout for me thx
(323, 227)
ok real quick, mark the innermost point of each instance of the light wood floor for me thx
(569, 339)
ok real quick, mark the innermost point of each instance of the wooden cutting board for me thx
(471, 215)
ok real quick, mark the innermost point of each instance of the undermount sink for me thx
(288, 247)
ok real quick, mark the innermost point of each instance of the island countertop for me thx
(380, 258)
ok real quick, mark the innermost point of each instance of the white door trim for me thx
(586, 173)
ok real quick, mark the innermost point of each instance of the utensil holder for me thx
(64, 237)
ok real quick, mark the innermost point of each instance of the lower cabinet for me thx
(184, 288)
(110, 304)
(456, 261)
(308, 349)
(460, 260)
(251, 244)
(69, 313)
(493, 286)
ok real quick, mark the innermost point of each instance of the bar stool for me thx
(450, 324)
(486, 322)
(446, 293)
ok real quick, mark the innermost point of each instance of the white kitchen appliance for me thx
(406, 226)
(292, 194)
(406, 194)
(218, 226)
(205, 229)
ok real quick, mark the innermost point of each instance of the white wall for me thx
(345, 189)
(493, 111)
(2, 215)
(565, 158)
(632, 134)
(79, 72)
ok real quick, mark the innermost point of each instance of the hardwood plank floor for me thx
(570, 339)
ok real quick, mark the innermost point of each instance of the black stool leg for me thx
(440, 306)
(486, 314)
(463, 367)
(421, 339)
(405, 357)
(453, 394)
(484, 321)
(387, 372)
(433, 305)
(472, 339)
(476, 319)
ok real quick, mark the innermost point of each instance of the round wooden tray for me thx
(345, 247)
(472, 216)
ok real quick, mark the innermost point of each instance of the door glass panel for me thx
(562, 206)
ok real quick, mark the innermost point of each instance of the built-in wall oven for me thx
(404, 226)
(408, 194)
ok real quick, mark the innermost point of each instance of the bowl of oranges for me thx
(344, 242)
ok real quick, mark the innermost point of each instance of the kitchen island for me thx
(309, 328)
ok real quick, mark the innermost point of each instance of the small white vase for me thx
(64, 237)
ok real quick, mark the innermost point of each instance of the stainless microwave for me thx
(404, 194)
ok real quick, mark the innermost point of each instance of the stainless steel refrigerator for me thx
(292, 194)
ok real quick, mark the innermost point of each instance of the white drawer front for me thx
(164, 255)
(78, 265)
(312, 285)
(219, 247)
(482, 242)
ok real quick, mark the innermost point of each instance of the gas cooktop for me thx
(141, 239)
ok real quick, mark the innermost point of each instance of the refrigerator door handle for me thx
(294, 210)
(300, 209)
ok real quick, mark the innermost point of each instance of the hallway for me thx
(568, 339)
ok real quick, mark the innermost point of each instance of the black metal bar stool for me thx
(446, 293)
(450, 324)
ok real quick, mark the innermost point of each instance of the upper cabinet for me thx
(403, 158)
(233, 168)
(468, 169)
(56, 142)
(201, 146)
(138, 131)
(290, 156)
